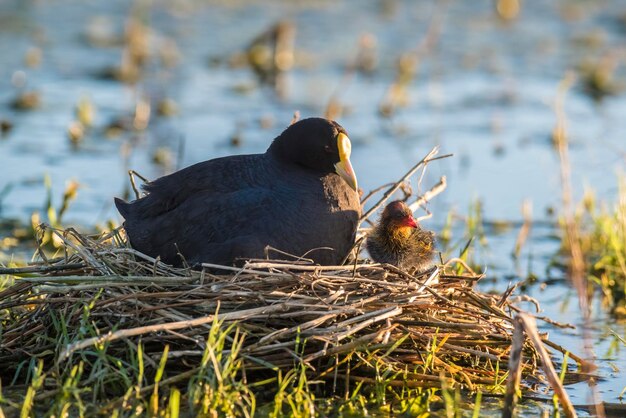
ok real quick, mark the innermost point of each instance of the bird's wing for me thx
(212, 226)
(214, 176)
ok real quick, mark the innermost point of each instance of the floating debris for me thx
(397, 94)
(169, 53)
(598, 77)
(138, 121)
(100, 32)
(163, 157)
(142, 114)
(236, 139)
(76, 133)
(135, 53)
(167, 107)
(126, 72)
(271, 55)
(18, 79)
(5, 126)
(266, 121)
(85, 112)
(508, 9)
(33, 56)
(116, 127)
(28, 100)
(366, 60)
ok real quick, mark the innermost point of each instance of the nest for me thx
(344, 326)
(426, 330)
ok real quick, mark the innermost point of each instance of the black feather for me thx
(222, 210)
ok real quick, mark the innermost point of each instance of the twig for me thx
(429, 157)
(125, 333)
(374, 191)
(16, 271)
(530, 327)
(577, 265)
(522, 236)
(515, 369)
(131, 176)
(437, 189)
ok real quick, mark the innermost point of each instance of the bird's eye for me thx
(328, 149)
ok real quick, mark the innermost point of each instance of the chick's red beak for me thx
(410, 221)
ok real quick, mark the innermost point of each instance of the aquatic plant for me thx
(602, 238)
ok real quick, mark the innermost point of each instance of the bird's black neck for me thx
(281, 152)
(286, 153)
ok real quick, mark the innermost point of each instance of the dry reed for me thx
(338, 310)
(342, 323)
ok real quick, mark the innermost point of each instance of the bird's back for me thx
(224, 209)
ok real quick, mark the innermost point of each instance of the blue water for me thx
(484, 91)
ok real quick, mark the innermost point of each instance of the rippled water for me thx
(484, 90)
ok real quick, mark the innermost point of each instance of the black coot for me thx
(300, 195)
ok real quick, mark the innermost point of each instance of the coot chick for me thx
(300, 195)
(399, 240)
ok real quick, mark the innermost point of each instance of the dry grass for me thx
(103, 327)
(344, 324)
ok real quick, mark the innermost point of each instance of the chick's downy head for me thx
(397, 219)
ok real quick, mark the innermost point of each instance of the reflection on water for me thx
(461, 76)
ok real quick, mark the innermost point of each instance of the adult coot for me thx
(399, 240)
(300, 197)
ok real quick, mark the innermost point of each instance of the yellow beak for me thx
(343, 167)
